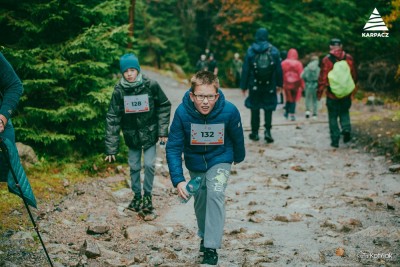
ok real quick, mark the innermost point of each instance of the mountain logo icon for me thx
(375, 22)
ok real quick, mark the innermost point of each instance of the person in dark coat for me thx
(139, 108)
(261, 96)
(10, 92)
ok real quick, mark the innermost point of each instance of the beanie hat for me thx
(261, 35)
(128, 61)
(335, 42)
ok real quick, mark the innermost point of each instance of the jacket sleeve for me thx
(113, 123)
(174, 150)
(278, 70)
(323, 83)
(353, 71)
(10, 88)
(244, 78)
(235, 131)
(300, 71)
(163, 106)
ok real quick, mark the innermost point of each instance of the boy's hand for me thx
(110, 158)
(163, 139)
(182, 191)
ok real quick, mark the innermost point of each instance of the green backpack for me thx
(340, 80)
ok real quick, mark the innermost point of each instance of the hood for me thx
(191, 109)
(261, 35)
(313, 65)
(261, 44)
(292, 54)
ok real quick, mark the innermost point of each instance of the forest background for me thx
(66, 52)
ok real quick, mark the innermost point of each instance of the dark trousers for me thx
(338, 113)
(255, 120)
(290, 107)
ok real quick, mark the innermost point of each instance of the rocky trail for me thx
(296, 202)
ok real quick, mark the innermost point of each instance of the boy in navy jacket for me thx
(207, 129)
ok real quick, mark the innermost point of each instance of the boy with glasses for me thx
(207, 130)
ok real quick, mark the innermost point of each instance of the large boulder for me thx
(26, 154)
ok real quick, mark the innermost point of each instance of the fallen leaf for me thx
(340, 252)
(298, 168)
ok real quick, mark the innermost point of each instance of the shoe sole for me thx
(133, 209)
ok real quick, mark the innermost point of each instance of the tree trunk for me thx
(131, 21)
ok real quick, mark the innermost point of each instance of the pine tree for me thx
(65, 54)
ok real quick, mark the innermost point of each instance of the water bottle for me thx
(191, 188)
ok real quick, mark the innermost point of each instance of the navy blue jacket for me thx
(200, 158)
(265, 99)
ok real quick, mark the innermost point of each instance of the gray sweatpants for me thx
(135, 164)
(209, 204)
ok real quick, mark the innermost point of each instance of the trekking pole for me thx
(4, 150)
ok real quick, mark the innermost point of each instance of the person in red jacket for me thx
(293, 84)
(338, 108)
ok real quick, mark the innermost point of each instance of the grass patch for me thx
(50, 180)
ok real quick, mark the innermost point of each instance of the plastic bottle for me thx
(191, 188)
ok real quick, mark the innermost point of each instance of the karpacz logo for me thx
(375, 23)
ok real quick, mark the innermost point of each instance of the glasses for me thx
(202, 97)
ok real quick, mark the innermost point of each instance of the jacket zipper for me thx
(205, 148)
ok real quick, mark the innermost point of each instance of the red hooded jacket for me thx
(291, 63)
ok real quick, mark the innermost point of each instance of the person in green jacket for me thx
(310, 76)
(139, 108)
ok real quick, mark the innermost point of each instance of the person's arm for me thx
(244, 81)
(278, 69)
(323, 83)
(235, 131)
(353, 71)
(163, 106)
(10, 90)
(174, 149)
(113, 125)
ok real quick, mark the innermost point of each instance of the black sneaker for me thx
(346, 137)
(202, 249)
(254, 137)
(147, 205)
(335, 144)
(135, 204)
(210, 256)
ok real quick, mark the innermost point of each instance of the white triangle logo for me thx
(375, 22)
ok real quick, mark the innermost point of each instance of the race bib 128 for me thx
(136, 103)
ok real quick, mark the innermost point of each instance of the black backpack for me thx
(264, 68)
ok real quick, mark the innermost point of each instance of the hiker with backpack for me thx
(337, 78)
(262, 77)
(293, 84)
(310, 76)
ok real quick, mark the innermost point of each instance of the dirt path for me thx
(296, 202)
